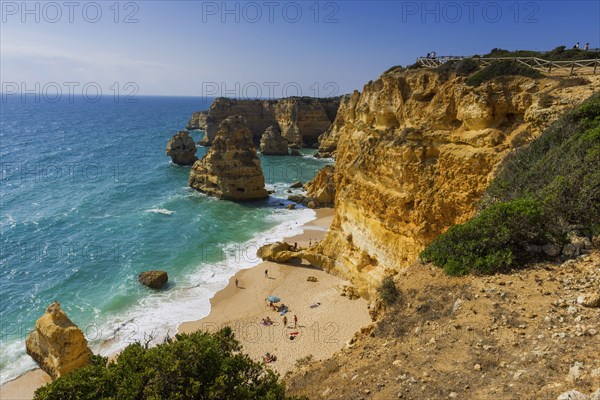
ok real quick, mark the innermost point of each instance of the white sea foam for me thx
(160, 211)
(161, 312)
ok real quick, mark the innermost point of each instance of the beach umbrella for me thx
(273, 299)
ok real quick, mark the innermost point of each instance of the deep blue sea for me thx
(88, 199)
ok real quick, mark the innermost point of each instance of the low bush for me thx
(388, 292)
(491, 242)
(499, 69)
(195, 366)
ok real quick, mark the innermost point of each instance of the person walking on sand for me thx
(266, 273)
(295, 321)
(236, 282)
(285, 320)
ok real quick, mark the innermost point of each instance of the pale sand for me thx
(322, 330)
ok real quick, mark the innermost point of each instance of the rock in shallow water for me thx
(57, 344)
(272, 143)
(182, 149)
(154, 279)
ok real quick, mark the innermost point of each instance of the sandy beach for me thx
(321, 330)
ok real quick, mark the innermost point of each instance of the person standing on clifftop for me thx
(576, 45)
(586, 47)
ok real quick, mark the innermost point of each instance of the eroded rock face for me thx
(57, 344)
(272, 143)
(197, 121)
(182, 149)
(300, 119)
(329, 139)
(231, 168)
(322, 188)
(154, 279)
(416, 150)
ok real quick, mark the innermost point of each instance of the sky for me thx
(261, 48)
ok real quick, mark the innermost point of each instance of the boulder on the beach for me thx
(182, 149)
(57, 345)
(276, 252)
(155, 279)
(296, 185)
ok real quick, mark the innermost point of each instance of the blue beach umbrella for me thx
(273, 299)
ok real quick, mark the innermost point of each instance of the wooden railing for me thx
(574, 67)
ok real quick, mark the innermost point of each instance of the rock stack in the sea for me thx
(272, 143)
(182, 149)
(320, 192)
(57, 344)
(197, 121)
(154, 279)
(231, 169)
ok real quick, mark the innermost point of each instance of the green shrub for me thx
(466, 66)
(502, 68)
(540, 193)
(195, 366)
(560, 53)
(561, 169)
(491, 242)
(388, 292)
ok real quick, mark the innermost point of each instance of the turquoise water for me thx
(89, 199)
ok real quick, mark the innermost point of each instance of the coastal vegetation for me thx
(502, 68)
(542, 193)
(200, 365)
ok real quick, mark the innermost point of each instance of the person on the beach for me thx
(236, 282)
(285, 320)
(266, 273)
(295, 321)
(295, 245)
(310, 242)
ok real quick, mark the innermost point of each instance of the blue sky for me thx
(277, 48)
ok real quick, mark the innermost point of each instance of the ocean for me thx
(89, 199)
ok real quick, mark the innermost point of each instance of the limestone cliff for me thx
(57, 344)
(231, 168)
(197, 121)
(416, 150)
(329, 139)
(300, 119)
